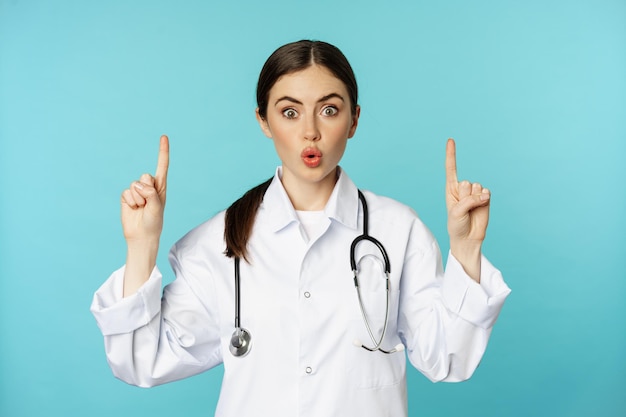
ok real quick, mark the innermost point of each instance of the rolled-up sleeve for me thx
(479, 304)
(149, 339)
(445, 317)
(115, 314)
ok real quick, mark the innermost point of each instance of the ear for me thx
(355, 121)
(265, 127)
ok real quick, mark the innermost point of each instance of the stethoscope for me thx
(241, 340)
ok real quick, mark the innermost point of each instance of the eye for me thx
(290, 113)
(329, 111)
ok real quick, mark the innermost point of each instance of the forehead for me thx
(312, 82)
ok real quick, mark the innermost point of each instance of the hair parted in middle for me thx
(297, 56)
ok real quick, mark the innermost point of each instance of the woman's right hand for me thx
(143, 202)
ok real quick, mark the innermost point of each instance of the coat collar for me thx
(342, 206)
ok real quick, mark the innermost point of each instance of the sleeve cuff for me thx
(479, 304)
(116, 314)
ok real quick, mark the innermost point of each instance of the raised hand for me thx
(143, 202)
(468, 215)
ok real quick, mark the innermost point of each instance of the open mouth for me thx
(312, 157)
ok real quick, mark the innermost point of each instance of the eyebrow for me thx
(326, 97)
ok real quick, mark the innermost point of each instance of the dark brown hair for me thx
(287, 59)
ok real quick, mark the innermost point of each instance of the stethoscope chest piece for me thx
(240, 342)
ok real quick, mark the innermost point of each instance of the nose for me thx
(311, 130)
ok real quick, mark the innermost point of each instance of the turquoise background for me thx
(533, 91)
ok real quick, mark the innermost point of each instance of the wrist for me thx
(140, 261)
(468, 254)
(465, 249)
(142, 247)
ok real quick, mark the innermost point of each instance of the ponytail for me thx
(240, 220)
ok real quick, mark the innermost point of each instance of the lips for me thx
(311, 157)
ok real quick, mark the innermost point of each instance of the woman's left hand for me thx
(468, 215)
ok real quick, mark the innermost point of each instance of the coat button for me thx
(308, 369)
(307, 294)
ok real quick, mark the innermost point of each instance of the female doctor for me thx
(309, 317)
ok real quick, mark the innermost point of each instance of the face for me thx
(310, 120)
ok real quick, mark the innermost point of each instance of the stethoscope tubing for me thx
(366, 237)
(240, 342)
(241, 339)
(237, 295)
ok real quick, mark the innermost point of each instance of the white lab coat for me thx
(299, 302)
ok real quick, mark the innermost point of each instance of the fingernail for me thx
(485, 196)
(138, 185)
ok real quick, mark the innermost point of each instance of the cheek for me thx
(281, 136)
(283, 142)
(340, 130)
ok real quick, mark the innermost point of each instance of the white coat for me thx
(299, 302)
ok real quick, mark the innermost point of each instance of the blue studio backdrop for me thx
(534, 93)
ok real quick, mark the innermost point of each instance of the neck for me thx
(309, 196)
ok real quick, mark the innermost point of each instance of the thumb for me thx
(145, 188)
(469, 203)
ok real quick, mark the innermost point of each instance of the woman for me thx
(318, 347)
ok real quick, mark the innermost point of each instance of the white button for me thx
(309, 369)
(307, 294)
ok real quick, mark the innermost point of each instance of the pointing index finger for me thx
(451, 177)
(164, 160)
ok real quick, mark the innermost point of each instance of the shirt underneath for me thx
(312, 223)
